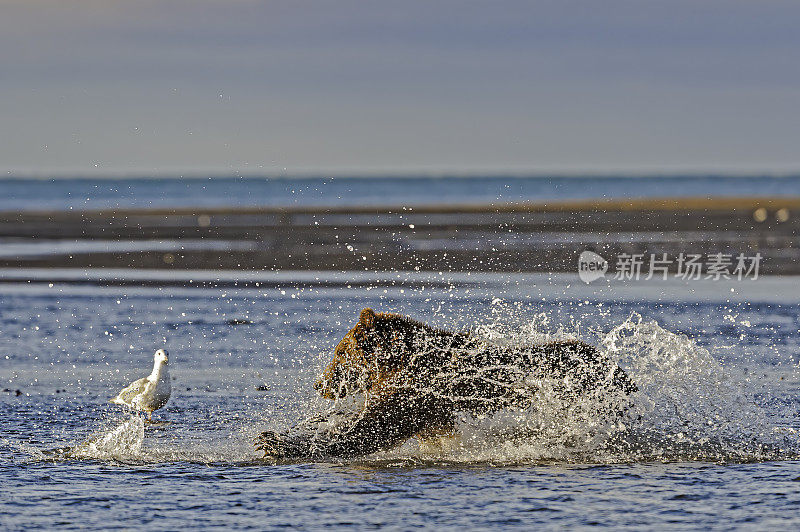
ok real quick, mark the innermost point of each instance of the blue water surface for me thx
(63, 194)
(68, 349)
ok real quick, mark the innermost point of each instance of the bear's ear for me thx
(367, 318)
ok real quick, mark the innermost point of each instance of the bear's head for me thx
(365, 357)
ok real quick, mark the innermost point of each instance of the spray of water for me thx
(123, 441)
(687, 407)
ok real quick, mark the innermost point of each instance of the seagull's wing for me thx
(126, 396)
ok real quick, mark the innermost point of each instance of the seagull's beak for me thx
(162, 355)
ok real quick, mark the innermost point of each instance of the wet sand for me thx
(543, 237)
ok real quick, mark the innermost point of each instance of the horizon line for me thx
(197, 174)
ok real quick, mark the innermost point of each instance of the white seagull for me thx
(151, 392)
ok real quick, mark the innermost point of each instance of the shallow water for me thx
(713, 442)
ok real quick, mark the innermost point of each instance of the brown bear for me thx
(416, 379)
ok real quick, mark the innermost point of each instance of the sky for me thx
(295, 87)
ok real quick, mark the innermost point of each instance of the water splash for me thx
(688, 407)
(123, 441)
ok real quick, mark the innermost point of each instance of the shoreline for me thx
(508, 237)
(732, 203)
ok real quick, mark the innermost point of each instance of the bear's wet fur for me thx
(415, 379)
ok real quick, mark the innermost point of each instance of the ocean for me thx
(77, 194)
(710, 439)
